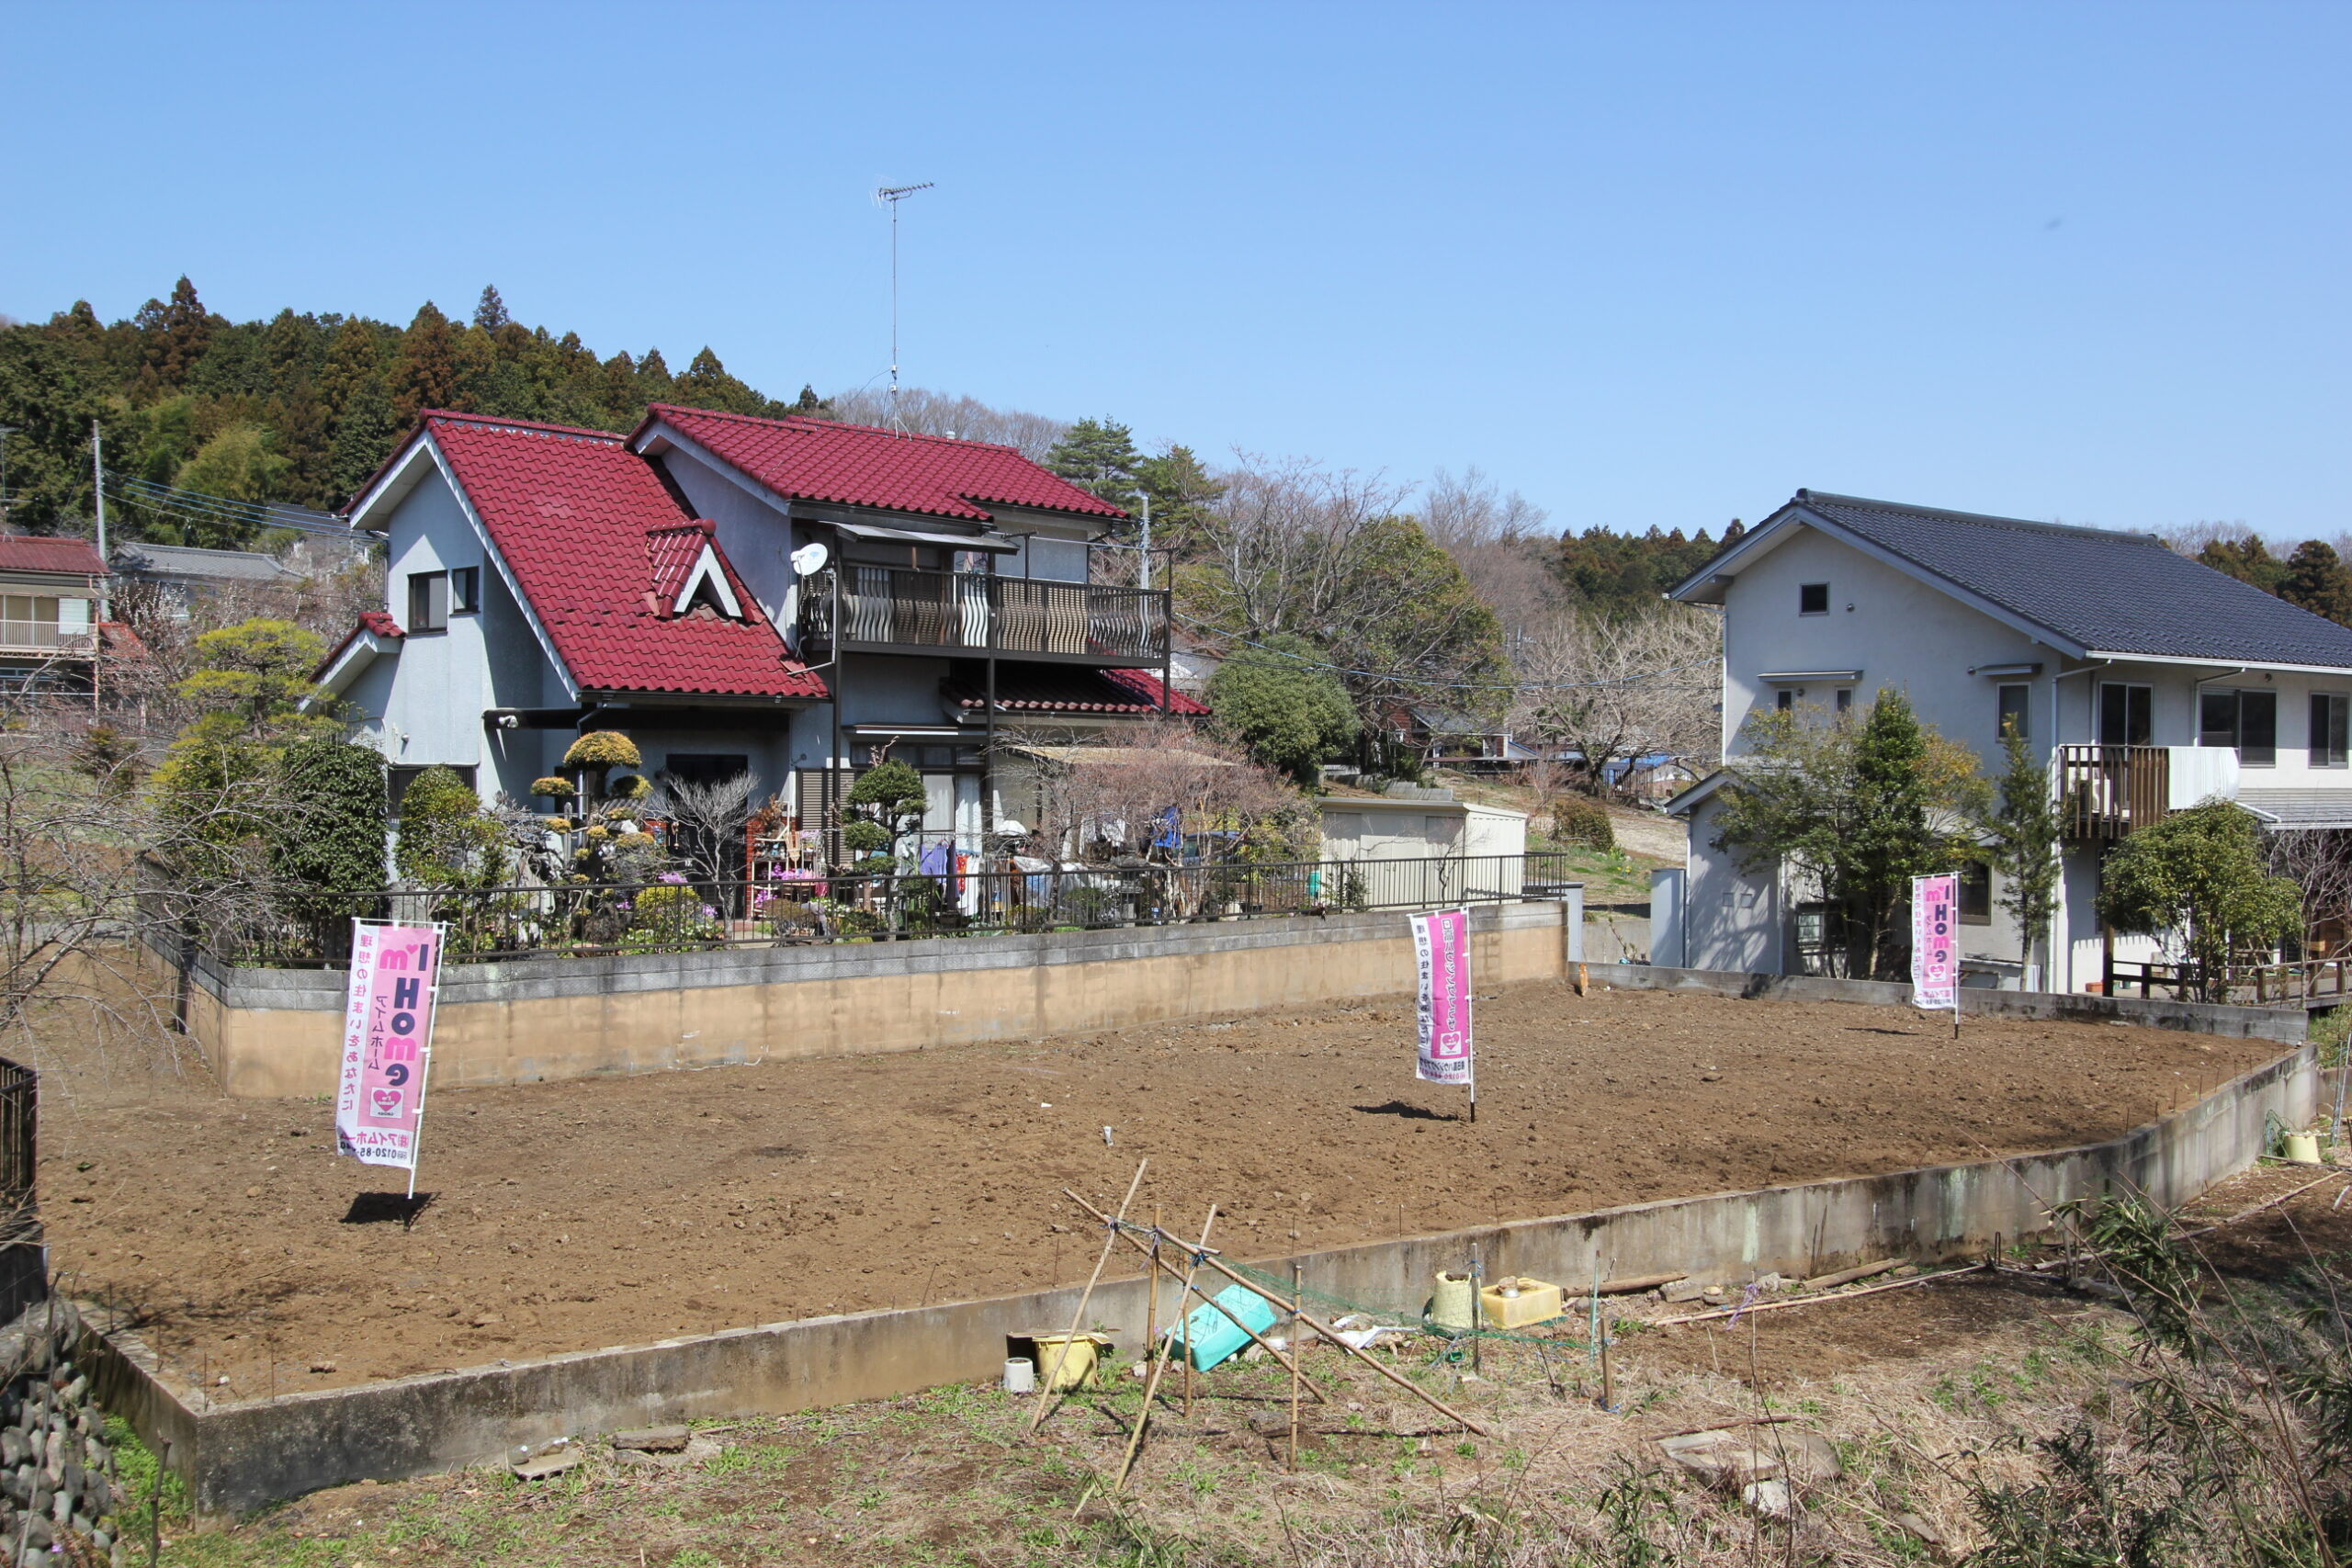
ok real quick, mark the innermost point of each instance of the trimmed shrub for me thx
(666, 906)
(1580, 820)
(553, 788)
(602, 749)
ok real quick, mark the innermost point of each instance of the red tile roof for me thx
(572, 512)
(25, 552)
(857, 465)
(1067, 689)
(378, 621)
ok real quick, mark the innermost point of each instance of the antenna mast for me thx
(892, 195)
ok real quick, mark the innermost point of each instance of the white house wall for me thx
(1732, 919)
(433, 713)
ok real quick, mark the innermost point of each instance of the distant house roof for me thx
(586, 526)
(186, 563)
(25, 552)
(2093, 592)
(2299, 808)
(858, 465)
(1074, 690)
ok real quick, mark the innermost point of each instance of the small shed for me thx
(1419, 826)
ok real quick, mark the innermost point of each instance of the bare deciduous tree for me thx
(1113, 798)
(1498, 541)
(706, 820)
(2318, 861)
(926, 412)
(1612, 689)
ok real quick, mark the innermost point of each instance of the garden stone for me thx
(60, 1508)
(14, 1449)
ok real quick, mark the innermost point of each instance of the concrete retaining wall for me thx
(276, 1032)
(2285, 1025)
(241, 1455)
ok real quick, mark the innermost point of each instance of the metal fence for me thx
(583, 918)
(24, 1278)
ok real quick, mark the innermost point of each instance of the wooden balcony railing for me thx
(889, 607)
(2105, 792)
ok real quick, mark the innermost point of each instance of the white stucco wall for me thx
(754, 532)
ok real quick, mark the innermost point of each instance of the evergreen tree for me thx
(425, 376)
(621, 403)
(707, 384)
(173, 339)
(2196, 881)
(306, 440)
(2319, 582)
(49, 408)
(1280, 704)
(1099, 456)
(332, 840)
(2025, 834)
(654, 383)
(354, 360)
(445, 841)
(292, 350)
(490, 311)
(1181, 491)
(2248, 559)
(476, 358)
(363, 440)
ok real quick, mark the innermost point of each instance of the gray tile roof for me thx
(188, 562)
(2302, 807)
(2108, 591)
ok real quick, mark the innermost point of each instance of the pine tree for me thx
(654, 382)
(291, 351)
(1181, 492)
(490, 311)
(707, 384)
(1099, 456)
(2319, 582)
(475, 354)
(306, 440)
(2248, 559)
(621, 403)
(425, 376)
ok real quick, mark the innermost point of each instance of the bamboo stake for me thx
(1151, 1383)
(1151, 1312)
(1326, 1332)
(1078, 1320)
(1297, 1301)
(1262, 1343)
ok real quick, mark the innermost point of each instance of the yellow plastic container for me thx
(1450, 1304)
(1073, 1368)
(1514, 1304)
(2303, 1149)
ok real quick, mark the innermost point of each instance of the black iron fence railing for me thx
(889, 606)
(583, 920)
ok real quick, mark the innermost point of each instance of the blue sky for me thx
(1645, 264)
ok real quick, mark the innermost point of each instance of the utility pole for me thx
(98, 491)
(1147, 538)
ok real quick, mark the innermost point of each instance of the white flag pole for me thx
(424, 1062)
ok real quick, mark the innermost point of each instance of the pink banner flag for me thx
(1441, 943)
(1935, 936)
(386, 1041)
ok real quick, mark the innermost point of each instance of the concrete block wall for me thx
(271, 1032)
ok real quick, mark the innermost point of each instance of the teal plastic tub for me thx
(1210, 1337)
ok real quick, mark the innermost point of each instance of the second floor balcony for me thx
(2108, 792)
(893, 609)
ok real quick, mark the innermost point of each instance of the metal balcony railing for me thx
(907, 607)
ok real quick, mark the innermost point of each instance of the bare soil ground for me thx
(1923, 1391)
(569, 1216)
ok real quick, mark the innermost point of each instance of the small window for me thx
(2330, 713)
(2014, 711)
(2126, 715)
(1786, 701)
(428, 602)
(1813, 599)
(1976, 894)
(465, 590)
(2248, 720)
(1845, 698)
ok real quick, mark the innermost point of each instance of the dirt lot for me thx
(569, 1217)
(1925, 1391)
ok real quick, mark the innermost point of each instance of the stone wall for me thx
(58, 1479)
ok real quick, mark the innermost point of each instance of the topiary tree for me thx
(886, 804)
(445, 841)
(554, 788)
(2195, 882)
(596, 754)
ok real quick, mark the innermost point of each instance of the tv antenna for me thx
(891, 196)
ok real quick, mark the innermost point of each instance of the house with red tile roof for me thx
(792, 598)
(50, 634)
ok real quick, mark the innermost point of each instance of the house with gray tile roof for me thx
(2145, 680)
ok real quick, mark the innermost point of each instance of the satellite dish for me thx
(808, 559)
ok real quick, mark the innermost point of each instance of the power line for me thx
(1447, 685)
(195, 506)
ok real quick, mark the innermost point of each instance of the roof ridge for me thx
(429, 416)
(809, 423)
(1807, 497)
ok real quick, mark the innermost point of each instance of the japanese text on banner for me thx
(388, 1018)
(1442, 945)
(1935, 938)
